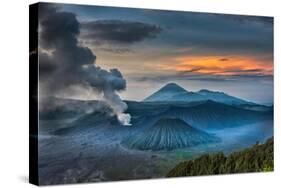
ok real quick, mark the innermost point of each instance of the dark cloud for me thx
(250, 71)
(179, 77)
(238, 76)
(223, 59)
(59, 30)
(253, 77)
(119, 31)
(47, 65)
(117, 50)
(47, 9)
(64, 63)
(215, 33)
(204, 33)
(264, 20)
(191, 70)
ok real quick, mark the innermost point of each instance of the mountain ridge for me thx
(174, 92)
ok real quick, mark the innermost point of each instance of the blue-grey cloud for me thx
(263, 20)
(244, 76)
(119, 31)
(204, 33)
(48, 9)
(250, 71)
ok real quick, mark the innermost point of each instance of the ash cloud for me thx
(119, 31)
(64, 63)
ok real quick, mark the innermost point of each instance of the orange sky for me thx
(219, 65)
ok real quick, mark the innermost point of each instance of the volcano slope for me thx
(168, 134)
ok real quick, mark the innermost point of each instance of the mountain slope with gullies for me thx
(169, 134)
(174, 92)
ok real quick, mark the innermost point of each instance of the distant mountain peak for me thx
(172, 87)
(167, 93)
(174, 92)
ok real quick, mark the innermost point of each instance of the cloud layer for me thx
(198, 49)
(118, 31)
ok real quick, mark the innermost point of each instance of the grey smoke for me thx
(64, 63)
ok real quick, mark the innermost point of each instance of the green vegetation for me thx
(258, 158)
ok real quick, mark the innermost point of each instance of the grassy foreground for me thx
(258, 158)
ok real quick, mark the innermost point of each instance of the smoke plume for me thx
(64, 63)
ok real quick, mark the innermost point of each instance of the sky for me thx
(220, 52)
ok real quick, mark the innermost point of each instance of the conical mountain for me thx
(169, 134)
(173, 92)
(172, 87)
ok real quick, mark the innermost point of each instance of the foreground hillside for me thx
(255, 159)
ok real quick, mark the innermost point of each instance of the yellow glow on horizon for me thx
(219, 65)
